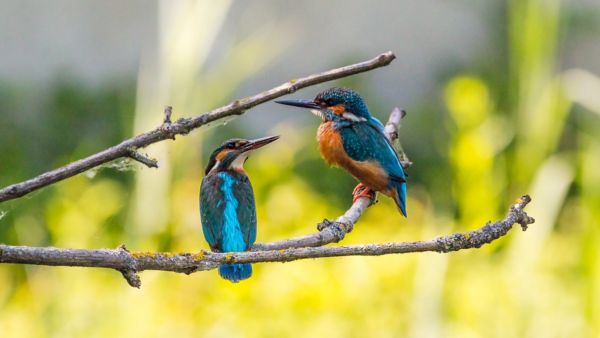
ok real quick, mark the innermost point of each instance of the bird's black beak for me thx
(259, 142)
(300, 103)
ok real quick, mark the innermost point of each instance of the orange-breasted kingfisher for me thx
(351, 138)
(227, 207)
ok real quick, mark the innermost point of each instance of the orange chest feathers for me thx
(330, 145)
(332, 149)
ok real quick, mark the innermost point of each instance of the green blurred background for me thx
(503, 99)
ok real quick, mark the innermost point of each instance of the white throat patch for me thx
(214, 167)
(238, 163)
(352, 117)
(318, 113)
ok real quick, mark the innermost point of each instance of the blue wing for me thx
(366, 141)
(246, 210)
(211, 210)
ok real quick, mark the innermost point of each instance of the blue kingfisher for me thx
(227, 207)
(351, 138)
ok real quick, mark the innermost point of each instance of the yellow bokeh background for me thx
(495, 135)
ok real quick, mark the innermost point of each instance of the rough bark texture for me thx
(129, 263)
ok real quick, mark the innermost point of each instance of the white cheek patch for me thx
(352, 117)
(238, 163)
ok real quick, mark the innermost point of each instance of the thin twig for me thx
(184, 125)
(168, 111)
(129, 272)
(130, 262)
(335, 231)
(392, 128)
(149, 162)
(393, 124)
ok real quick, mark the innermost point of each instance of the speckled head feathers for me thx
(351, 100)
(222, 157)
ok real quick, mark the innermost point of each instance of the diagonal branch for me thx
(129, 263)
(149, 162)
(184, 125)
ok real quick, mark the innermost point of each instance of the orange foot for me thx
(362, 190)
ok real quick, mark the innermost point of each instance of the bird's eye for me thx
(230, 145)
(330, 103)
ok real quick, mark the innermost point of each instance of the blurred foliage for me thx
(514, 124)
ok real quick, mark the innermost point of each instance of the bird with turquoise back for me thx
(351, 138)
(227, 206)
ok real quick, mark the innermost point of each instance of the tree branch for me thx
(129, 263)
(184, 126)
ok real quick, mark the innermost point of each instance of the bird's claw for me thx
(362, 190)
(359, 187)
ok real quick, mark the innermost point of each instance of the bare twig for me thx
(185, 125)
(129, 271)
(392, 128)
(333, 232)
(149, 162)
(168, 112)
(393, 124)
(131, 262)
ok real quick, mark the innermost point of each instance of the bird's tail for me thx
(235, 272)
(399, 196)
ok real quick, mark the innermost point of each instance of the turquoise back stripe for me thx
(232, 239)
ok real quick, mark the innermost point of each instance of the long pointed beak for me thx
(300, 103)
(259, 142)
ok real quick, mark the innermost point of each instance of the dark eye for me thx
(230, 145)
(330, 103)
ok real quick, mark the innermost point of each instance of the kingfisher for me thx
(227, 207)
(351, 138)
